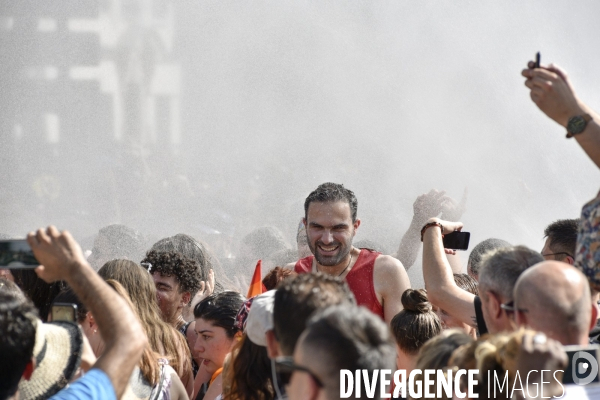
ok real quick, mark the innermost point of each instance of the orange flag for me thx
(256, 285)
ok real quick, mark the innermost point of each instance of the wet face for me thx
(212, 344)
(330, 230)
(170, 301)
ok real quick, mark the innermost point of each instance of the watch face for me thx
(576, 124)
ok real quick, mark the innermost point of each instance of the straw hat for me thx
(57, 353)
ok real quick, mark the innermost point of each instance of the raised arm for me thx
(552, 92)
(61, 258)
(439, 281)
(427, 206)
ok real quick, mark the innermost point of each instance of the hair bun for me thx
(416, 301)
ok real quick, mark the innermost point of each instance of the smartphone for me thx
(64, 312)
(583, 365)
(538, 58)
(16, 253)
(457, 240)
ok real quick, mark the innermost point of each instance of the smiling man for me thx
(376, 280)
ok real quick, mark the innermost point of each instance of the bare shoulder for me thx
(177, 389)
(389, 270)
(389, 265)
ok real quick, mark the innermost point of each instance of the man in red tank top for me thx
(376, 280)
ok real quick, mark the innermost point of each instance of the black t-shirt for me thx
(481, 327)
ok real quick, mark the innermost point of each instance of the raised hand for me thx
(57, 252)
(453, 211)
(429, 205)
(552, 92)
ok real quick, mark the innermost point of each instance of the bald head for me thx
(554, 297)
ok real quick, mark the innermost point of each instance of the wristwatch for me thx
(577, 124)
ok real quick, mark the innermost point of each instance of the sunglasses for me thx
(510, 308)
(285, 367)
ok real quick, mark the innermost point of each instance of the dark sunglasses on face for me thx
(285, 367)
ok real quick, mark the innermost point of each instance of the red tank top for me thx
(359, 279)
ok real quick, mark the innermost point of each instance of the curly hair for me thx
(169, 263)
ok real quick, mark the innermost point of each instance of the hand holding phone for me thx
(457, 240)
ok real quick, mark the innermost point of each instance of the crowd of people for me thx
(168, 321)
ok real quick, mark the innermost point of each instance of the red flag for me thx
(256, 285)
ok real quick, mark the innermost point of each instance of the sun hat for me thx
(57, 353)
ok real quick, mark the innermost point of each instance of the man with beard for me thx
(376, 280)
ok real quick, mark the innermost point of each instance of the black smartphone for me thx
(583, 365)
(16, 253)
(538, 58)
(457, 240)
(64, 312)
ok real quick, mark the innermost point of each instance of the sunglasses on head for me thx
(285, 367)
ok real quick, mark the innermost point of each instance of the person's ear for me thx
(313, 388)
(185, 298)
(570, 260)
(29, 368)
(272, 344)
(356, 225)
(89, 319)
(494, 305)
(304, 222)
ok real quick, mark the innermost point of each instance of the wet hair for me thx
(330, 193)
(191, 248)
(501, 268)
(220, 309)
(17, 339)
(298, 298)
(563, 235)
(493, 355)
(416, 323)
(465, 282)
(275, 276)
(170, 263)
(479, 251)
(40, 292)
(347, 337)
(163, 338)
(248, 373)
(148, 363)
(121, 242)
(265, 241)
(436, 353)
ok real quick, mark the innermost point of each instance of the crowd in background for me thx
(170, 320)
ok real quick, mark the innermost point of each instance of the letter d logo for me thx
(591, 366)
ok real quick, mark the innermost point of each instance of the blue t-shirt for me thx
(94, 385)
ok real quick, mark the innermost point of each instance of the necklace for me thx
(344, 270)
